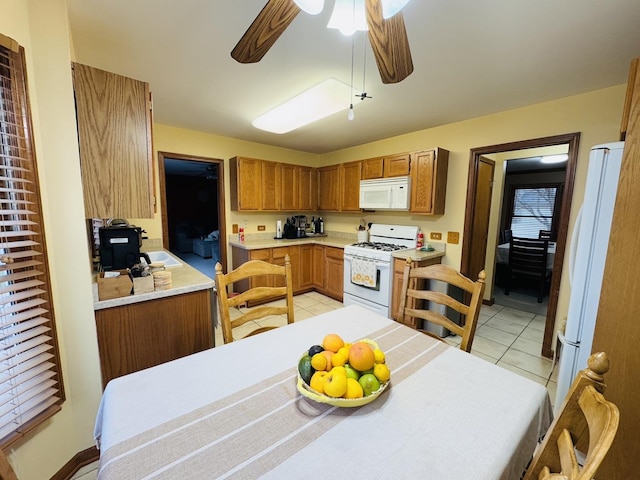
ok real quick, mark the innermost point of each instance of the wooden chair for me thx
(506, 236)
(415, 294)
(586, 423)
(6, 470)
(273, 282)
(544, 235)
(528, 260)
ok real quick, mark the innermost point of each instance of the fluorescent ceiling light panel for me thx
(563, 157)
(326, 98)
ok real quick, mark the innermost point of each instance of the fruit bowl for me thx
(305, 389)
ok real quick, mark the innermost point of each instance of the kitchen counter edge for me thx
(184, 279)
(418, 255)
(329, 241)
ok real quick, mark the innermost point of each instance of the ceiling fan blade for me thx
(390, 44)
(267, 27)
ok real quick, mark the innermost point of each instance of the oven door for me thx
(379, 293)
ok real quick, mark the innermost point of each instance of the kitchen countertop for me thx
(184, 279)
(258, 243)
(418, 255)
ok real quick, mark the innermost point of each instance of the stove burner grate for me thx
(385, 247)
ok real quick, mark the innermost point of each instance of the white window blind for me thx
(30, 381)
(533, 210)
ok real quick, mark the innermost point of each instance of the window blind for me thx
(30, 380)
(533, 210)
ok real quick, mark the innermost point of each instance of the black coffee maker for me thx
(120, 247)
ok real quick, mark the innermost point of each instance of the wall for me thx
(40, 26)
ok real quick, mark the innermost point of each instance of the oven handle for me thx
(379, 263)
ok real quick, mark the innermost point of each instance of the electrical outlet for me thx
(261, 228)
(435, 236)
(453, 237)
(234, 228)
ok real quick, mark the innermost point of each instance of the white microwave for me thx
(385, 193)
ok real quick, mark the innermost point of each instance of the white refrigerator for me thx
(587, 256)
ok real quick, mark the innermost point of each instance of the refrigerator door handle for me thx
(563, 340)
(574, 245)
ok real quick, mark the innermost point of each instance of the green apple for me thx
(351, 372)
(369, 383)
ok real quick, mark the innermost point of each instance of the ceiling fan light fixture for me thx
(348, 16)
(312, 7)
(316, 103)
(391, 7)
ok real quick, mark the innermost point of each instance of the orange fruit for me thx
(332, 342)
(361, 356)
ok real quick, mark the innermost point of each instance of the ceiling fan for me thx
(388, 37)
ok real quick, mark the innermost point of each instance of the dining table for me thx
(234, 411)
(502, 255)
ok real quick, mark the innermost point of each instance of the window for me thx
(30, 379)
(533, 208)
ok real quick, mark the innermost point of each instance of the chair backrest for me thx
(6, 470)
(544, 234)
(416, 293)
(528, 256)
(586, 423)
(507, 235)
(270, 282)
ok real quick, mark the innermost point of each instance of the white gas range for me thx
(368, 266)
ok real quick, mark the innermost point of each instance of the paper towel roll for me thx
(279, 229)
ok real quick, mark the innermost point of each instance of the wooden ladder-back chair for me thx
(416, 294)
(586, 423)
(272, 282)
(528, 259)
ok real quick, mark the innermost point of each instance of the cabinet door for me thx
(263, 254)
(246, 191)
(397, 165)
(306, 267)
(114, 136)
(429, 181)
(329, 188)
(372, 168)
(289, 184)
(307, 189)
(271, 189)
(277, 258)
(396, 291)
(318, 267)
(334, 275)
(350, 186)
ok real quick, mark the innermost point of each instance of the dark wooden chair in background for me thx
(528, 261)
(544, 235)
(505, 236)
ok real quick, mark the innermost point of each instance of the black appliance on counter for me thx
(295, 227)
(120, 247)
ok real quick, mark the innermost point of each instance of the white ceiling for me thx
(471, 58)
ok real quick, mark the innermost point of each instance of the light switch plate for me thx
(234, 228)
(453, 237)
(435, 236)
(261, 228)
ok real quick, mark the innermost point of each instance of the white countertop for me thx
(184, 279)
(258, 243)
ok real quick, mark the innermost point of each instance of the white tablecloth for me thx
(503, 254)
(446, 415)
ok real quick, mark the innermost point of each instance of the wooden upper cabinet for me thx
(350, 186)
(271, 187)
(246, 184)
(397, 165)
(290, 187)
(429, 181)
(115, 141)
(307, 189)
(372, 168)
(329, 188)
(633, 93)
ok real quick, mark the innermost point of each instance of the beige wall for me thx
(41, 27)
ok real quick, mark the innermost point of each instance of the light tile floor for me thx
(505, 336)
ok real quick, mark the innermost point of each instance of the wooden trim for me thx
(222, 221)
(78, 461)
(573, 140)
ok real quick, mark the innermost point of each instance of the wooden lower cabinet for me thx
(398, 272)
(334, 272)
(318, 267)
(142, 335)
(306, 268)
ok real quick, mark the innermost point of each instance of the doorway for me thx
(193, 209)
(474, 243)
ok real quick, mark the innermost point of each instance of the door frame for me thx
(222, 222)
(573, 140)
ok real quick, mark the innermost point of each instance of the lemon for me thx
(319, 361)
(378, 355)
(382, 372)
(338, 359)
(354, 389)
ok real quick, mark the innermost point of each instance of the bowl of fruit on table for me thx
(343, 374)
